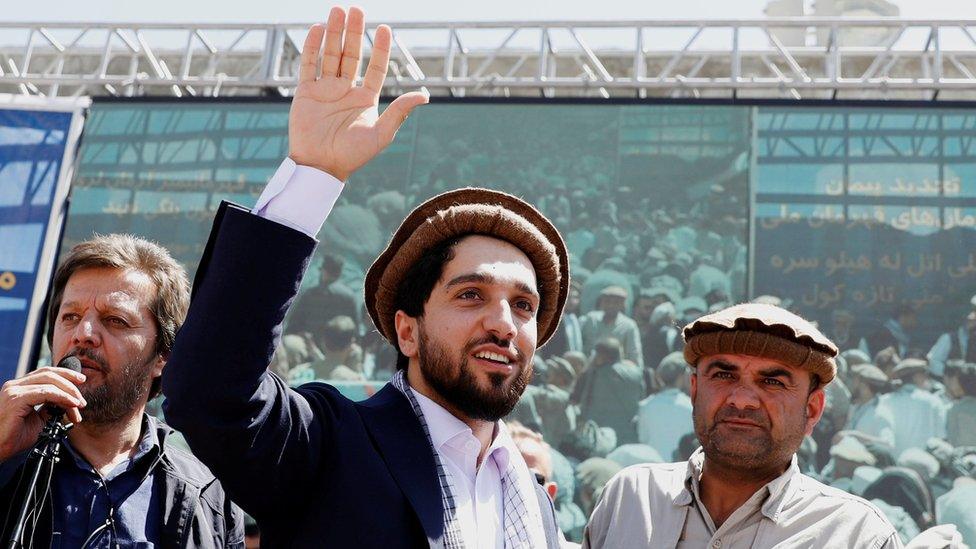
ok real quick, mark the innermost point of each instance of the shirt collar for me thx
(148, 445)
(445, 426)
(442, 425)
(777, 489)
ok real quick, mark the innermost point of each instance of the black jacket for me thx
(196, 512)
(313, 467)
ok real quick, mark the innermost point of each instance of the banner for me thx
(37, 146)
(871, 211)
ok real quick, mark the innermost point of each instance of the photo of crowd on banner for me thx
(611, 388)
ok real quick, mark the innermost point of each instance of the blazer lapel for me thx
(404, 447)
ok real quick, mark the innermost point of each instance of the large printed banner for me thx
(869, 210)
(37, 143)
(869, 269)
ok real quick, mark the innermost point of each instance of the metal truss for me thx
(866, 136)
(799, 58)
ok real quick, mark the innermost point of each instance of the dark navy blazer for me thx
(313, 467)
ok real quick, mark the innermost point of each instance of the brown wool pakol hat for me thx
(463, 212)
(763, 330)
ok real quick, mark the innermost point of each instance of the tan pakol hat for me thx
(908, 367)
(463, 212)
(759, 329)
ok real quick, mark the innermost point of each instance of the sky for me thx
(391, 11)
(303, 12)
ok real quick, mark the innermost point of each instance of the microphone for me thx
(72, 363)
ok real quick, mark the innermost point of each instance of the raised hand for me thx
(334, 125)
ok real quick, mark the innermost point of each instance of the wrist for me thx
(331, 170)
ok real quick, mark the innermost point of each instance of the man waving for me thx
(470, 285)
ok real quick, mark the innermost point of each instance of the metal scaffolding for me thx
(798, 57)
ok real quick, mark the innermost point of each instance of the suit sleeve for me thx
(259, 437)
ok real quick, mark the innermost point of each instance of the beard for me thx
(115, 398)
(454, 380)
(753, 450)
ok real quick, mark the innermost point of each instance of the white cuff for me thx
(300, 197)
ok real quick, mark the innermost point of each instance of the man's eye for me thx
(69, 317)
(525, 305)
(773, 381)
(468, 294)
(116, 321)
(722, 375)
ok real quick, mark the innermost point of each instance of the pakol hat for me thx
(614, 291)
(870, 373)
(463, 212)
(762, 330)
(908, 367)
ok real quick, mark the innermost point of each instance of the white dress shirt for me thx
(302, 197)
(477, 489)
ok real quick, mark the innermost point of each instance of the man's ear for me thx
(407, 334)
(816, 403)
(694, 385)
(159, 362)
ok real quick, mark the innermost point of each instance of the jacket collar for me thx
(402, 444)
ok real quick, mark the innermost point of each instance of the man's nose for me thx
(86, 333)
(743, 397)
(500, 320)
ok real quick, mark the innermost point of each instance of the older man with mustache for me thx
(757, 379)
(116, 304)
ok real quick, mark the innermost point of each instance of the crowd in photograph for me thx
(612, 387)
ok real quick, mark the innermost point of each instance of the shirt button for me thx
(717, 543)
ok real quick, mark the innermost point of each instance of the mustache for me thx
(90, 354)
(754, 416)
(495, 340)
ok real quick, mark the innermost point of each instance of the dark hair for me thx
(332, 264)
(419, 282)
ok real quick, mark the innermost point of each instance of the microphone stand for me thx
(41, 459)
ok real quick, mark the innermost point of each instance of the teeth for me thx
(493, 356)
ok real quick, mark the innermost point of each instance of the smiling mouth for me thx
(494, 363)
(495, 358)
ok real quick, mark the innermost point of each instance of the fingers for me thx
(64, 379)
(395, 114)
(379, 61)
(24, 397)
(333, 42)
(74, 415)
(353, 45)
(308, 70)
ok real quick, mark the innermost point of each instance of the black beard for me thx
(112, 401)
(454, 381)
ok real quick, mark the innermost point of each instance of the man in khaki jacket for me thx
(757, 379)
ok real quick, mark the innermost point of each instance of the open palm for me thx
(334, 125)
